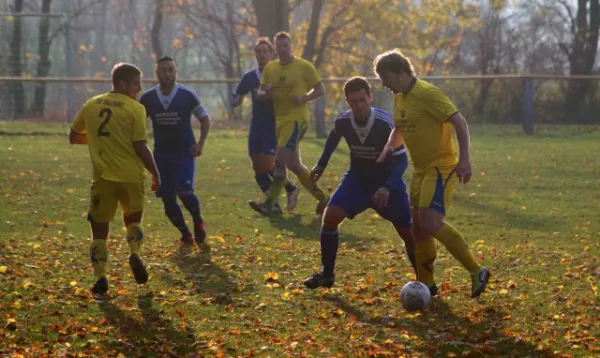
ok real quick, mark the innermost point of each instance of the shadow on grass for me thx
(154, 335)
(485, 336)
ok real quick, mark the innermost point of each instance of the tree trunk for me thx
(272, 16)
(43, 67)
(16, 88)
(156, 27)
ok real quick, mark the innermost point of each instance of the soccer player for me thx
(170, 106)
(113, 125)
(368, 183)
(291, 83)
(424, 120)
(262, 141)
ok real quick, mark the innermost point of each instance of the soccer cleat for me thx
(187, 239)
(319, 279)
(480, 280)
(321, 206)
(138, 269)
(261, 208)
(199, 234)
(101, 286)
(292, 199)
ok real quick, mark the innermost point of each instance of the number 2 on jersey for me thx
(106, 113)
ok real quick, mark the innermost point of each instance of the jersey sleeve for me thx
(138, 130)
(243, 87)
(439, 105)
(78, 125)
(312, 76)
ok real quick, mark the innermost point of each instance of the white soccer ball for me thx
(415, 296)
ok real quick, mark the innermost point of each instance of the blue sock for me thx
(264, 181)
(192, 204)
(289, 187)
(173, 212)
(329, 247)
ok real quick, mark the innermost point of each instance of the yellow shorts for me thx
(433, 188)
(290, 133)
(106, 194)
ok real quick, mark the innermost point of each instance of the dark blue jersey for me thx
(171, 117)
(262, 111)
(366, 140)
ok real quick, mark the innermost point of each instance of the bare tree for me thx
(16, 88)
(156, 27)
(43, 66)
(272, 16)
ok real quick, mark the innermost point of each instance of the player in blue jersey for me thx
(262, 141)
(367, 183)
(170, 106)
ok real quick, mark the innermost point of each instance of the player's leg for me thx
(103, 205)
(425, 247)
(437, 188)
(348, 200)
(398, 213)
(184, 188)
(131, 197)
(302, 173)
(268, 148)
(167, 167)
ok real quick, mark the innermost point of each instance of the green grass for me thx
(530, 214)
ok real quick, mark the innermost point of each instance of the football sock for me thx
(425, 252)
(264, 181)
(329, 247)
(455, 243)
(312, 187)
(192, 204)
(99, 257)
(173, 212)
(274, 191)
(135, 237)
(289, 187)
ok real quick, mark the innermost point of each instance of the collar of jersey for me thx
(410, 86)
(162, 98)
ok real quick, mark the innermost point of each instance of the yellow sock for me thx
(99, 256)
(311, 186)
(135, 237)
(425, 252)
(453, 240)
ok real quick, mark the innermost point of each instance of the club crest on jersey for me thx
(281, 78)
(402, 114)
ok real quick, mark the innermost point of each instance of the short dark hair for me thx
(264, 41)
(124, 72)
(355, 84)
(164, 59)
(394, 61)
(282, 35)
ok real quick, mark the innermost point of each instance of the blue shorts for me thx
(354, 197)
(177, 173)
(262, 140)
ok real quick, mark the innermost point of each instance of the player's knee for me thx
(169, 202)
(132, 218)
(428, 227)
(333, 217)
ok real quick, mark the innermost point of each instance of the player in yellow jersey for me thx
(113, 125)
(425, 119)
(290, 82)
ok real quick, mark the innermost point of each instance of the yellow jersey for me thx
(112, 122)
(422, 114)
(296, 78)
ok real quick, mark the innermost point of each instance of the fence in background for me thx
(506, 99)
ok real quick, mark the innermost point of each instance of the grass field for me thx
(530, 214)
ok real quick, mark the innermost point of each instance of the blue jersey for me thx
(171, 117)
(366, 142)
(262, 111)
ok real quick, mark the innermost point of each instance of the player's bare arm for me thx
(461, 128)
(317, 91)
(198, 149)
(77, 138)
(394, 142)
(144, 153)
(264, 92)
